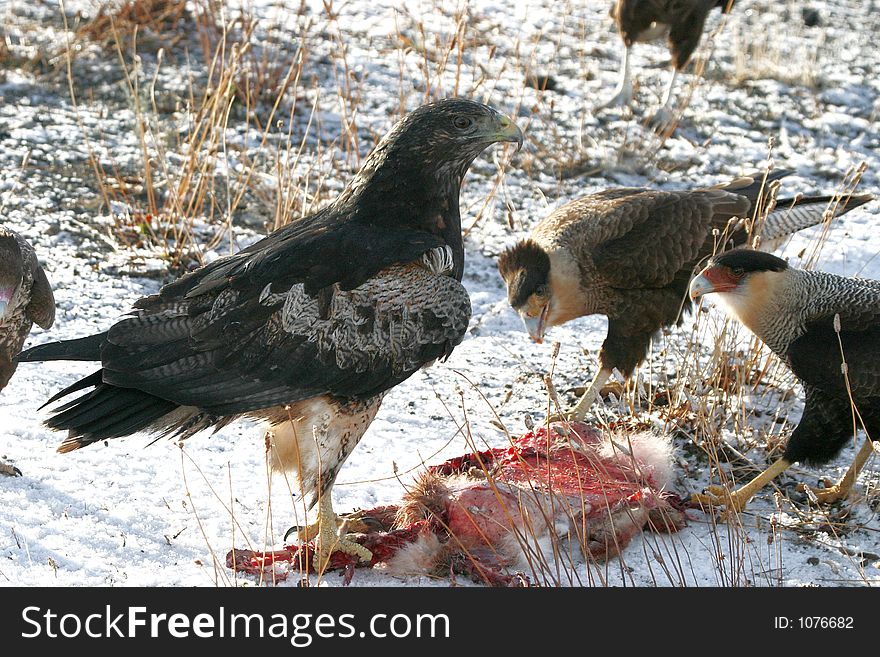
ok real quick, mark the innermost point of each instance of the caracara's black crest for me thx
(524, 268)
(749, 261)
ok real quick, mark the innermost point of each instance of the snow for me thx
(133, 513)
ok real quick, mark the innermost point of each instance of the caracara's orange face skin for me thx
(723, 279)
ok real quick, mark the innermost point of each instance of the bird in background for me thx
(826, 328)
(307, 329)
(681, 21)
(25, 299)
(630, 253)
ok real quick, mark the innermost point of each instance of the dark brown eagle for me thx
(681, 21)
(25, 299)
(630, 253)
(816, 322)
(308, 328)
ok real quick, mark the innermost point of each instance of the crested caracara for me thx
(827, 330)
(629, 254)
(682, 21)
(25, 299)
(307, 329)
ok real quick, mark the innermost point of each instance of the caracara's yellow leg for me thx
(737, 500)
(327, 535)
(579, 411)
(841, 489)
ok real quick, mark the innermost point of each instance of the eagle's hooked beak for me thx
(509, 131)
(536, 325)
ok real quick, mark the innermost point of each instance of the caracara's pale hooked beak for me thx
(711, 279)
(536, 325)
(700, 285)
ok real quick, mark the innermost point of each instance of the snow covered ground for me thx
(125, 513)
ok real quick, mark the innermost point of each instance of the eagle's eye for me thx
(738, 272)
(462, 122)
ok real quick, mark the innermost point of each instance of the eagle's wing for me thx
(645, 239)
(238, 351)
(41, 307)
(318, 251)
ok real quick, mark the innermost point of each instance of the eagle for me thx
(629, 254)
(826, 328)
(682, 21)
(307, 329)
(25, 299)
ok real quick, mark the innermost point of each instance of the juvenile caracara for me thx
(815, 322)
(629, 254)
(681, 21)
(308, 328)
(25, 299)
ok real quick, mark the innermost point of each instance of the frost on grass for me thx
(176, 148)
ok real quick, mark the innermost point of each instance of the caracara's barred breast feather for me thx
(810, 300)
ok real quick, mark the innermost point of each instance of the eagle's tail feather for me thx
(92, 379)
(106, 412)
(87, 348)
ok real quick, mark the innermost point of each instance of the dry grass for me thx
(190, 185)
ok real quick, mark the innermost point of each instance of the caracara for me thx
(307, 329)
(827, 330)
(25, 299)
(681, 21)
(629, 254)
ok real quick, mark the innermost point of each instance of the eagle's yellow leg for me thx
(579, 411)
(736, 501)
(326, 532)
(841, 489)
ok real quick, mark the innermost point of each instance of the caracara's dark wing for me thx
(650, 236)
(816, 356)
